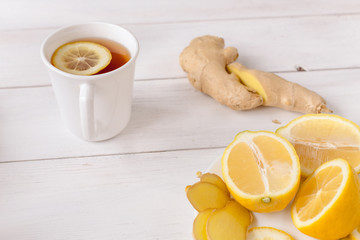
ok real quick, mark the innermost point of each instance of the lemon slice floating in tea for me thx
(81, 58)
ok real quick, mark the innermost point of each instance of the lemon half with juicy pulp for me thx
(81, 58)
(261, 170)
(327, 205)
(267, 233)
(318, 138)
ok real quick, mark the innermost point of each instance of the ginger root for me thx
(278, 92)
(205, 60)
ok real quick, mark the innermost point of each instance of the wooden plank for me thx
(314, 42)
(167, 115)
(22, 14)
(137, 196)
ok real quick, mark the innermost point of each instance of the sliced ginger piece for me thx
(214, 179)
(205, 61)
(204, 195)
(278, 92)
(228, 223)
(199, 226)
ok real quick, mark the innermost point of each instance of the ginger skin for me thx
(278, 92)
(205, 61)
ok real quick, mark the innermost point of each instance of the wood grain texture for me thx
(20, 14)
(275, 45)
(136, 196)
(167, 115)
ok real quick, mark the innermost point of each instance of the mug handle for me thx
(86, 104)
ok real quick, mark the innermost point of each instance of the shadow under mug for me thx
(96, 107)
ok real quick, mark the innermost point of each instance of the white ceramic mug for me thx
(96, 107)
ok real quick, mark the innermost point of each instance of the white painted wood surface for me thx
(55, 186)
(275, 44)
(131, 196)
(167, 115)
(21, 14)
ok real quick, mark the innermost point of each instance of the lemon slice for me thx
(355, 235)
(81, 58)
(267, 233)
(318, 138)
(327, 205)
(261, 170)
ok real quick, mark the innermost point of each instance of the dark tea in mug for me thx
(120, 55)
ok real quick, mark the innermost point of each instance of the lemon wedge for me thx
(81, 58)
(327, 205)
(318, 138)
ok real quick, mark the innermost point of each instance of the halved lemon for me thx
(267, 233)
(355, 235)
(318, 138)
(327, 205)
(261, 170)
(81, 58)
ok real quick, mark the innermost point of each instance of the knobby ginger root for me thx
(278, 92)
(205, 60)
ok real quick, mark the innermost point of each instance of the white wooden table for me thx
(54, 186)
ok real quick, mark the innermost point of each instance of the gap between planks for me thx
(247, 18)
(184, 77)
(113, 154)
